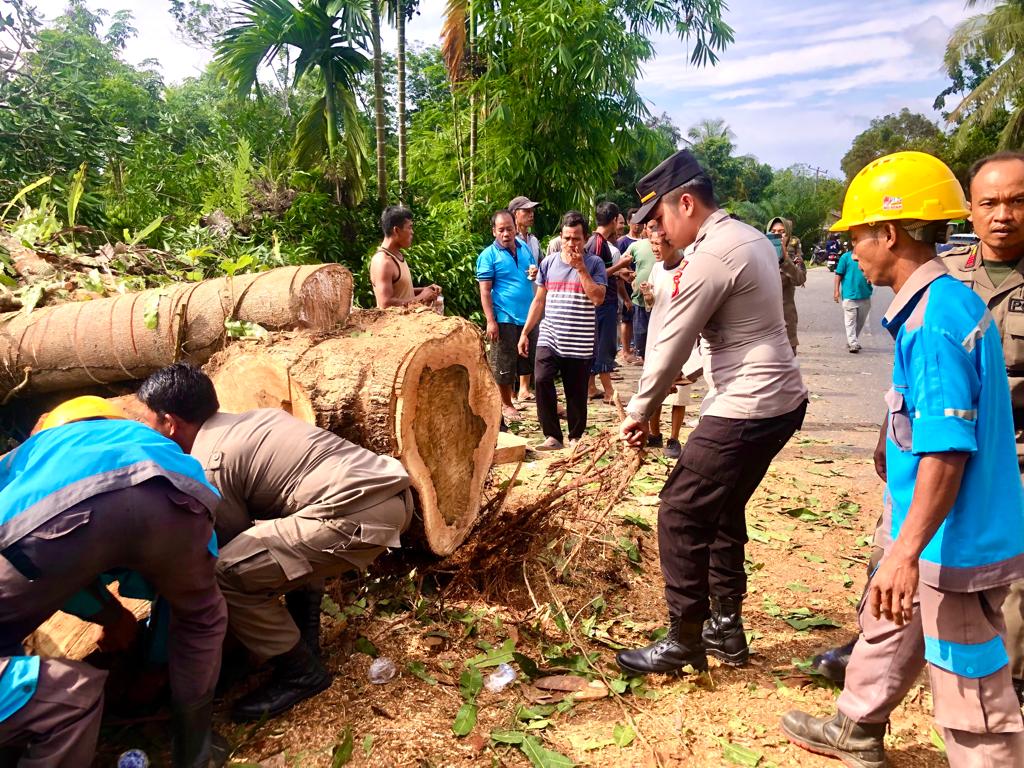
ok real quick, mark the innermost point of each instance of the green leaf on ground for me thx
(465, 720)
(638, 521)
(362, 644)
(623, 734)
(541, 757)
(368, 744)
(503, 654)
(937, 740)
(508, 737)
(471, 682)
(342, 752)
(812, 558)
(740, 755)
(796, 586)
(419, 669)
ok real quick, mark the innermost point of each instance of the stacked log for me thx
(128, 337)
(411, 384)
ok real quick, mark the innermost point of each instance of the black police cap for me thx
(670, 173)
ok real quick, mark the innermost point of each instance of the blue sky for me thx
(801, 80)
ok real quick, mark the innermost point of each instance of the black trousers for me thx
(575, 372)
(151, 528)
(702, 526)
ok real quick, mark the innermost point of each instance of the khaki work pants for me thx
(274, 557)
(58, 726)
(979, 718)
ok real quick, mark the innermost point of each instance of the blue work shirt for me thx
(950, 394)
(511, 291)
(18, 683)
(853, 285)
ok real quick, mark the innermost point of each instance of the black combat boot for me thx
(679, 648)
(304, 607)
(297, 676)
(193, 742)
(1018, 687)
(831, 664)
(723, 634)
(860, 745)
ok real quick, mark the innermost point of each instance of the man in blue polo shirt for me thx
(853, 289)
(505, 270)
(953, 526)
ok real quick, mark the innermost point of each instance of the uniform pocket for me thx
(63, 524)
(900, 430)
(1013, 339)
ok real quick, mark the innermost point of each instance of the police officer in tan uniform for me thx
(994, 268)
(299, 505)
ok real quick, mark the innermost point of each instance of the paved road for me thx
(846, 389)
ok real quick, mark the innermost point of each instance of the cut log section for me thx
(411, 384)
(129, 337)
(69, 637)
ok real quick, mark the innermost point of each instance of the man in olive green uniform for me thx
(994, 268)
(793, 273)
(299, 505)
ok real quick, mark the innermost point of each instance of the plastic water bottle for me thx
(382, 670)
(439, 305)
(133, 758)
(500, 679)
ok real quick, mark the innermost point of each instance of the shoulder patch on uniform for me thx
(676, 277)
(1016, 305)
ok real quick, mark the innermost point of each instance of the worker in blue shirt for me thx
(953, 524)
(91, 494)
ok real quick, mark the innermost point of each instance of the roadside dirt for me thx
(809, 522)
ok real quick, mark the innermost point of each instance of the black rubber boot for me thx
(831, 664)
(193, 742)
(681, 647)
(297, 676)
(723, 634)
(304, 607)
(1018, 687)
(860, 745)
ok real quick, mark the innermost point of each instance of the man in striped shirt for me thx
(571, 283)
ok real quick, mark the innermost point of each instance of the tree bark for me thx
(378, 106)
(408, 383)
(127, 337)
(402, 139)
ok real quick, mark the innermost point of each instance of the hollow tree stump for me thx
(410, 384)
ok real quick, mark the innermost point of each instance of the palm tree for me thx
(328, 37)
(378, 102)
(458, 49)
(711, 128)
(997, 36)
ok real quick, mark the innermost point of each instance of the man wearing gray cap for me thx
(522, 209)
(727, 291)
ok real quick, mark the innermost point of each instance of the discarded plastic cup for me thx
(133, 758)
(382, 670)
(500, 679)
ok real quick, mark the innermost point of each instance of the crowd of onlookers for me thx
(576, 309)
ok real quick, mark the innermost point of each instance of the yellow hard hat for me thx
(81, 408)
(903, 185)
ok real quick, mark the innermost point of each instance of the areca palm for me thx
(327, 37)
(997, 36)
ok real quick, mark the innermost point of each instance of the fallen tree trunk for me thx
(410, 384)
(128, 337)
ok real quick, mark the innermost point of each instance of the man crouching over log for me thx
(91, 495)
(300, 504)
